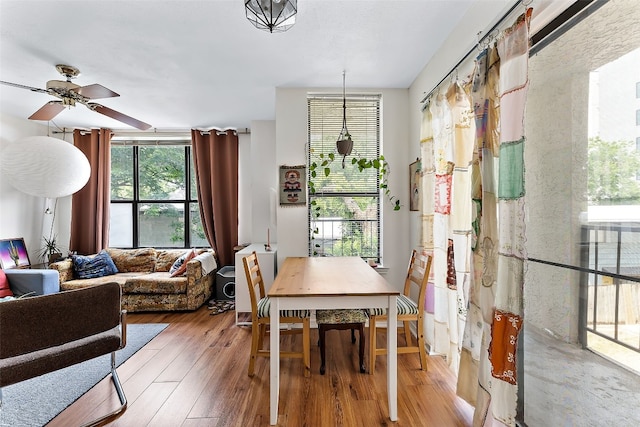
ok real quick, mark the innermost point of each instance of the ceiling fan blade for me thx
(33, 89)
(95, 91)
(119, 116)
(48, 111)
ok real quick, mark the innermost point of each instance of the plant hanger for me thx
(344, 143)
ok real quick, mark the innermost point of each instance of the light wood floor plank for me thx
(194, 374)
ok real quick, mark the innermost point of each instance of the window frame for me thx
(136, 202)
(352, 123)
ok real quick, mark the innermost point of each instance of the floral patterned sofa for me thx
(143, 275)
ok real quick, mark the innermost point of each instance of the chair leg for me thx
(321, 332)
(105, 419)
(256, 332)
(421, 349)
(361, 349)
(372, 344)
(115, 414)
(306, 346)
(407, 333)
(262, 332)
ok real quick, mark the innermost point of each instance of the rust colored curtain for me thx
(215, 159)
(90, 205)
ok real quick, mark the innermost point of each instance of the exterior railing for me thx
(610, 283)
(346, 237)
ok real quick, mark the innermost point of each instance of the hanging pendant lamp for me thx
(344, 143)
(45, 167)
(275, 16)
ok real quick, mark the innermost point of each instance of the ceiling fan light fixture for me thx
(275, 16)
(69, 94)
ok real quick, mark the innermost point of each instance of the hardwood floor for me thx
(194, 374)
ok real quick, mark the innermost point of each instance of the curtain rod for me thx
(160, 134)
(473, 49)
(174, 132)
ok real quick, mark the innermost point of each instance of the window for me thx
(153, 196)
(344, 211)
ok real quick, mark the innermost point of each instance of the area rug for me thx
(220, 306)
(37, 401)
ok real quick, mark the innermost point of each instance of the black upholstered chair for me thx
(341, 319)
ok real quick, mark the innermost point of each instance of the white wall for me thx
(245, 180)
(263, 158)
(291, 140)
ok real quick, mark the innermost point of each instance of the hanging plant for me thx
(321, 167)
(362, 163)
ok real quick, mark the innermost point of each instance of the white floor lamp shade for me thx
(44, 166)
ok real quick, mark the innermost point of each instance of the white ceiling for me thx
(201, 64)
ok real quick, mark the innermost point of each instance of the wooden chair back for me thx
(415, 282)
(259, 324)
(417, 278)
(254, 280)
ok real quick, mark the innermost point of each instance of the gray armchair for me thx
(45, 333)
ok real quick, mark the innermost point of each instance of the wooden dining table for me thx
(331, 283)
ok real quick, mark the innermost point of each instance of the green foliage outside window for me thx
(613, 168)
(121, 173)
(161, 200)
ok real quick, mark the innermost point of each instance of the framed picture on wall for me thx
(13, 254)
(415, 188)
(293, 185)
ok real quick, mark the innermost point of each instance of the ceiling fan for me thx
(70, 93)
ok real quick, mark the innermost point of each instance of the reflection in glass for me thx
(197, 236)
(161, 225)
(120, 225)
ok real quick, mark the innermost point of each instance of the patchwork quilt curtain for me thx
(473, 222)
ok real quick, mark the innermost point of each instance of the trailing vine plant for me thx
(361, 163)
(322, 168)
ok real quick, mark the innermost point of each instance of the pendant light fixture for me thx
(344, 142)
(275, 16)
(45, 167)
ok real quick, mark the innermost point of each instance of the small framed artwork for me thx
(293, 185)
(13, 254)
(415, 187)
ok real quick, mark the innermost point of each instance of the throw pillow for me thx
(5, 290)
(179, 268)
(86, 267)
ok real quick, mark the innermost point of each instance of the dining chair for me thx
(260, 319)
(341, 319)
(408, 311)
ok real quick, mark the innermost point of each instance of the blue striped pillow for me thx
(86, 267)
